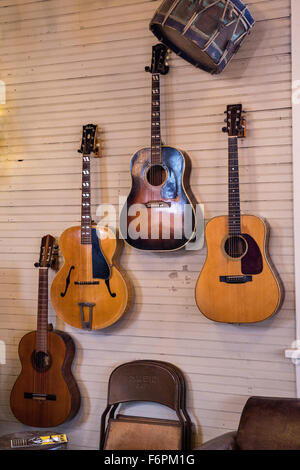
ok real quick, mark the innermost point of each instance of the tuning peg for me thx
(147, 69)
(226, 120)
(36, 265)
(224, 129)
(166, 64)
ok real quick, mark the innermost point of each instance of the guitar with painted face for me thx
(89, 291)
(45, 394)
(237, 283)
(158, 214)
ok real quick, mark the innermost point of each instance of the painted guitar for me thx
(159, 214)
(45, 393)
(89, 291)
(237, 283)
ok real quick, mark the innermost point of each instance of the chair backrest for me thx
(144, 381)
(270, 424)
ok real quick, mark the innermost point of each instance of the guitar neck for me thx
(86, 229)
(42, 319)
(234, 212)
(155, 120)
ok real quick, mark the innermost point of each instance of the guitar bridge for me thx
(157, 204)
(236, 279)
(86, 283)
(39, 396)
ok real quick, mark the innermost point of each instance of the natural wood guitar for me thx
(238, 283)
(89, 291)
(159, 213)
(45, 394)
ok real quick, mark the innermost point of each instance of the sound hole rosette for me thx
(41, 361)
(235, 246)
(156, 174)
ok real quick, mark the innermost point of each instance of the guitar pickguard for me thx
(252, 262)
(101, 269)
(175, 164)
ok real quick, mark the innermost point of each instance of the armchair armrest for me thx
(224, 442)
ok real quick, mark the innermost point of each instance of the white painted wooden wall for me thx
(69, 63)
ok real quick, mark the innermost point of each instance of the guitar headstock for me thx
(89, 140)
(48, 253)
(159, 60)
(235, 120)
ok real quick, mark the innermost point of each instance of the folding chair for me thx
(147, 381)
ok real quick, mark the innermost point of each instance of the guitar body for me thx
(89, 291)
(243, 290)
(167, 207)
(56, 382)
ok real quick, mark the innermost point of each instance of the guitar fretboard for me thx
(155, 120)
(86, 231)
(42, 318)
(234, 212)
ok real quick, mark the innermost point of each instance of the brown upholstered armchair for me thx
(265, 424)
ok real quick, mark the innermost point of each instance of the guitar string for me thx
(235, 243)
(84, 200)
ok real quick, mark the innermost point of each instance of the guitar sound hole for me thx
(235, 246)
(41, 361)
(156, 175)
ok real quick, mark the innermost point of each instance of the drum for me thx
(206, 33)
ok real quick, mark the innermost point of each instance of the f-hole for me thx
(235, 246)
(156, 175)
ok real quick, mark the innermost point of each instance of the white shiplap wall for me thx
(77, 61)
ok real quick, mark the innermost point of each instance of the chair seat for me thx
(138, 433)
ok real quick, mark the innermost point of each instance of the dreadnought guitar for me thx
(158, 214)
(237, 283)
(89, 291)
(45, 394)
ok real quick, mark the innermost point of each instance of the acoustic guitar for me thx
(89, 291)
(159, 214)
(238, 283)
(45, 394)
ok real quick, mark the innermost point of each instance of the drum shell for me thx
(213, 53)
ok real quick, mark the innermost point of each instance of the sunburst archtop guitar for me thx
(89, 291)
(45, 394)
(159, 214)
(238, 283)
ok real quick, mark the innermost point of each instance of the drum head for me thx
(184, 47)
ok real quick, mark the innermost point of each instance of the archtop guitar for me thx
(158, 214)
(238, 283)
(89, 291)
(45, 394)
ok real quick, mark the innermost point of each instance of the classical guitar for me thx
(89, 291)
(158, 214)
(45, 394)
(238, 283)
